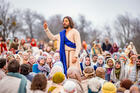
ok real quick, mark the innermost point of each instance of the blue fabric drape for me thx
(63, 41)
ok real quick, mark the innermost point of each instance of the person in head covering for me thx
(124, 59)
(25, 57)
(14, 44)
(106, 46)
(94, 86)
(57, 83)
(10, 57)
(114, 48)
(69, 87)
(107, 55)
(132, 64)
(18, 58)
(74, 73)
(21, 44)
(41, 66)
(57, 61)
(97, 50)
(45, 54)
(132, 47)
(33, 43)
(89, 73)
(29, 51)
(41, 44)
(54, 70)
(130, 53)
(108, 87)
(31, 61)
(52, 53)
(116, 56)
(135, 74)
(120, 51)
(109, 66)
(117, 73)
(35, 51)
(49, 61)
(87, 62)
(100, 75)
(100, 62)
(89, 50)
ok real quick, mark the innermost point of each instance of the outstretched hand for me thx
(45, 25)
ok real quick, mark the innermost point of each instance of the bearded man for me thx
(68, 43)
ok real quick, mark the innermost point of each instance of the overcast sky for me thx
(99, 12)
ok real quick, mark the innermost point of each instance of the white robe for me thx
(11, 84)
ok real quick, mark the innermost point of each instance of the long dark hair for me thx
(70, 21)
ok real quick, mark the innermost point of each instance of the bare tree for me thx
(136, 33)
(39, 30)
(55, 23)
(94, 34)
(4, 17)
(82, 25)
(16, 23)
(108, 33)
(123, 26)
(128, 29)
(87, 32)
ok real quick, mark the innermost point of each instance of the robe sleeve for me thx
(77, 39)
(50, 35)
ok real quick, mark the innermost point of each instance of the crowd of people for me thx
(31, 66)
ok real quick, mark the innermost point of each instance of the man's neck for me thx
(67, 30)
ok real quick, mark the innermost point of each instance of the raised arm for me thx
(48, 32)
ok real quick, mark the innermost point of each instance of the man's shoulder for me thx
(10, 79)
(73, 29)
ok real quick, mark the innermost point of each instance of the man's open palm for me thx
(45, 25)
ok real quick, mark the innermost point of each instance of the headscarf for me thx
(45, 68)
(74, 73)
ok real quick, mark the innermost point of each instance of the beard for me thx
(138, 66)
(66, 26)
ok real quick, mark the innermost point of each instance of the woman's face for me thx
(115, 57)
(87, 61)
(32, 59)
(114, 45)
(42, 61)
(117, 65)
(134, 60)
(131, 53)
(100, 61)
(49, 60)
(110, 63)
(57, 58)
(18, 58)
(25, 56)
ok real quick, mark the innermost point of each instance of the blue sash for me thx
(63, 41)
